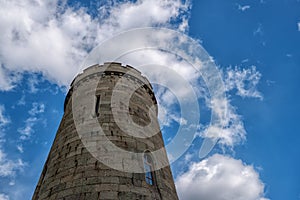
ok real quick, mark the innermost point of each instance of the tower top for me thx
(109, 144)
(112, 69)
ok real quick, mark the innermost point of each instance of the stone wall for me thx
(74, 170)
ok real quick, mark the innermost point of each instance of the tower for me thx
(108, 144)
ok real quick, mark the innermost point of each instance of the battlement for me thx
(111, 69)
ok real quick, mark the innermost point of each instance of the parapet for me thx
(112, 69)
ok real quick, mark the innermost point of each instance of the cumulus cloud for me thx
(150, 12)
(36, 39)
(298, 26)
(53, 38)
(36, 32)
(228, 129)
(220, 177)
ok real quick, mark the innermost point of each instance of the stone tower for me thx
(108, 144)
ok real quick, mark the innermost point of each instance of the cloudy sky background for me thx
(255, 45)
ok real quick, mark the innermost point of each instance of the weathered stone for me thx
(73, 172)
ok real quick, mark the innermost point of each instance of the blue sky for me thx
(254, 44)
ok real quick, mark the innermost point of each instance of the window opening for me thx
(148, 167)
(97, 105)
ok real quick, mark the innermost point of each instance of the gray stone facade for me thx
(89, 157)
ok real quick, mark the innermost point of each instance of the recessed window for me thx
(148, 167)
(97, 105)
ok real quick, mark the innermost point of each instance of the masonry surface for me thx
(81, 166)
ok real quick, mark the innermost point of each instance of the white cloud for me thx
(166, 70)
(20, 148)
(243, 8)
(40, 36)
(21, 101)
(244, 81)
(33, 81)
(298, 26)
(4, 197)
(27, 130)
(167, 115)
(30, 122)
(258, 30)
(220, 177)
(262, 1)
(9, 167)
(8, 79)
(37, 108)
(150, 12)
(229, 130)
(4, 120)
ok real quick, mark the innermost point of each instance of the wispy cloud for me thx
(232, 178)
(9, 167)
(37, 108)
(28, 129)
(4, 120)
(20, 148)
(8, 79)
(21, 101)
(167, 114)
(4, 197)
(258, 30)
(243, 8)
(244, 81)
(229, 130)
(33, 81)
(262, 1)
(298, 26)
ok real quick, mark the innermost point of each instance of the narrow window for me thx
(97, 105)
(148, 167)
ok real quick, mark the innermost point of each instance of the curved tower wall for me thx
(80, 165)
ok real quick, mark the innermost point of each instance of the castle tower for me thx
(108, 144)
